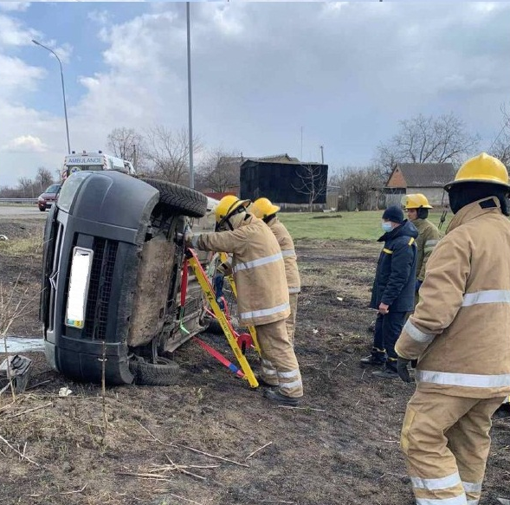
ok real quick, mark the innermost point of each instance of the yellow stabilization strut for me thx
(194, 263)
(230, 278)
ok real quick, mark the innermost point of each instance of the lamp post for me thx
(190, 117)
(63, 90)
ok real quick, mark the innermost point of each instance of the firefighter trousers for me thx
(279, 362)
(290, 322)
(446, 443)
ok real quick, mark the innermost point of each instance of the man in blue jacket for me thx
(393, 289)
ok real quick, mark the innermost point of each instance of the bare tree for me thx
(128, 144)
(427, 140)
(168, 153)
(27, 186)
(360, 183)
(43, 178)
(312, 182)
(500, 148)
(220, 170)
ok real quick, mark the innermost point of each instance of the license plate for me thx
(78, 287)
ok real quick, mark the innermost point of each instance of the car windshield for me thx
(53, 188)
(79, 168)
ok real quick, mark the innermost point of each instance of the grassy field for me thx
(340, 225)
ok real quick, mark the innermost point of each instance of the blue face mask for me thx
(386, 226)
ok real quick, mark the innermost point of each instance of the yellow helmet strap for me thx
(266, 219)
(226, 219)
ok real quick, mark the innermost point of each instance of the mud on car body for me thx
(112, 277)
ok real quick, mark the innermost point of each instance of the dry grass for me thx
(24, 247)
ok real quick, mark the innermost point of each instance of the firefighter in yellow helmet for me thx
(262, 293)
(459, 335)
(417, 207)
(265, 210)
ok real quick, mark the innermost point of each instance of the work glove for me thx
(402, 370)
(190, 239)
(418, 284)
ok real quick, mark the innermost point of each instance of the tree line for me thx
(163, 153)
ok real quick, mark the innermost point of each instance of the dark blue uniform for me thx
(394, 285)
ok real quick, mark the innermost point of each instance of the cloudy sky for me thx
(343, 74)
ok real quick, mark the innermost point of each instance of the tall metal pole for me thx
(301, 155)
(190, 116)
(322, 154)
(63, 90)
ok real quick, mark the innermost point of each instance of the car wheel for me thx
(179, 199)
(163, 373)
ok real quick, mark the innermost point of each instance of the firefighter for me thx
(417, 207)
(263, 297)
(265, 210)
(393, 289)
(459, 336)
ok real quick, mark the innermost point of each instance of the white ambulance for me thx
(95, 161)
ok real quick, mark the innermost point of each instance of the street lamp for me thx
(63, 89)
(190, 108)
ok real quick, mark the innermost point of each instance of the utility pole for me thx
(135, 161)
(190, 116)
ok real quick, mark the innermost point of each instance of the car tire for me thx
(163, 373)
(179, 199)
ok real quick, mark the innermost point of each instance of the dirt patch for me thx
(340, 448)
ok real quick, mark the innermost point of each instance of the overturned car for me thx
(112, 265)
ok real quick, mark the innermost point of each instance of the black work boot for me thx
(262, 382)
(373, 359)
(388, 372)
(275, 396)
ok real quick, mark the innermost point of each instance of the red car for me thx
(48, 198)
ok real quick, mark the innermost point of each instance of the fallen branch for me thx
(181, 469)
(77, 491)
(29, 410)
(17, 452)
(146, 476)
(38, 384)
(213, 456)
(153, 436)
(257, 450)
(300, 408)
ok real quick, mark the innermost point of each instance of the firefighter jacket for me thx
(258, 267)
(396, 270)
(459, 332)
(289, 254)
(428, 237)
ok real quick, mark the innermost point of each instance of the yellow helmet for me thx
(481, 168)
(262, 208)
(227, 207)
(416, 201)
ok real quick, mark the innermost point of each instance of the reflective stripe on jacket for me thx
(460, 330)
(289, 254)
(428, 237)
(259, 270)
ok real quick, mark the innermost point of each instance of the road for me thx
(20, 211)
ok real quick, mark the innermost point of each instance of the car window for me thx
(53, 188)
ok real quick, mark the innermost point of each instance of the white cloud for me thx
(12, 32)
(10, 6)
(16, 75)
(25, 144)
